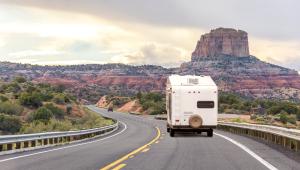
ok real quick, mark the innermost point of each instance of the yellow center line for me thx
(109, 166)
(119, 167)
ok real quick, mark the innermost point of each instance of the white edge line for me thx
(70, 146)
(254, 155)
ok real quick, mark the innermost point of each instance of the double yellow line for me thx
(113, 164)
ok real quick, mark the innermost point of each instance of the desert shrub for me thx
(3, 98)
(60, 98)
(298, 115)
(158, 108)
(52, 125)
(237, 120)
(139, 95)
(13, 87)
(59, 88)
(19, 79)
(292, 119)
(283, 117)
(42, 114)
(31, 99)
(11, 124)
(69, 109)
(10, 108)
(260, 119)
(92, 120)
(57, 112)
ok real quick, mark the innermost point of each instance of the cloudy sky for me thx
(162, 32)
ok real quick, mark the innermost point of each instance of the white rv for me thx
(191, 104)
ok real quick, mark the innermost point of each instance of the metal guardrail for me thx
(287, 138)
(15, 143)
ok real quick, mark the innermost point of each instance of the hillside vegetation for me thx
(26, 107)
(263, 111)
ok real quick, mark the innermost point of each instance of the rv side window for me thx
(205, 104)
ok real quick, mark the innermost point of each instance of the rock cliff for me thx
(222, 41)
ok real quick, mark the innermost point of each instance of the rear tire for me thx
(172, 132)
(210, 133)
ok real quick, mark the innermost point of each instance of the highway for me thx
(143, 143)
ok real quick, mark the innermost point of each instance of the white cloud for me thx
(27, 53)
(154, 53)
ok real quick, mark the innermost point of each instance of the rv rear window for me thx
(205, 104)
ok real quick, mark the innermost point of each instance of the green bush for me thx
(42, 114)
(20, 79)
(11, 124)
(10, 108)
(13, 87)
(31, 99)
(57, 112)
(60, 98)
(292, 119)
(3, 98)
(283, 117)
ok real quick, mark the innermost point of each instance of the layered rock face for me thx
(222, 41)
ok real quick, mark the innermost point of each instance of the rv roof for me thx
(189, 80)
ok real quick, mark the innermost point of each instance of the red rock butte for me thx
(222, 41)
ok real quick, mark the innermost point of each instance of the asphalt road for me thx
(126, 149)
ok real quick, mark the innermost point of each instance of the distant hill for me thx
(223, 53)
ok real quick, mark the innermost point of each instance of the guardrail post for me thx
(14, 146)
(4, 147)
(21, 145)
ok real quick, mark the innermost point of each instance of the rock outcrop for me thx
(222, 41)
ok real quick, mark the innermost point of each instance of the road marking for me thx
(118, 161)
(119, 167)
(71, 146)
(157, 141)
(254, 155)
(146, 150)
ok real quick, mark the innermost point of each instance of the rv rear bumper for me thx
(187, 127)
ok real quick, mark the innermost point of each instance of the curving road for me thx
(126, 149)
